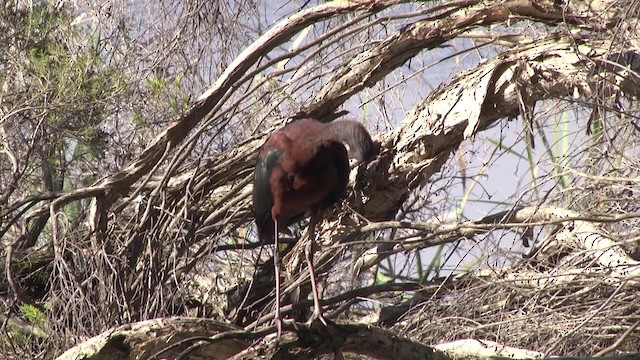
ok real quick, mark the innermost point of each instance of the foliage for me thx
(57, 93)
(33, 315)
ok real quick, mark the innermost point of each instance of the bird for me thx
(302, 169)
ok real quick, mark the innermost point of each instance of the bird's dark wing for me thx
(262, 194)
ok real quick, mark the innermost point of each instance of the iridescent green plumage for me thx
(262, 194)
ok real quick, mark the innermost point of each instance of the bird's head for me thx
(356, 138)
(363, 152)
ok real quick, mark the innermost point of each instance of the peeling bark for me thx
(159, 338)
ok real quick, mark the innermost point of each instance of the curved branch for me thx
(143, 339)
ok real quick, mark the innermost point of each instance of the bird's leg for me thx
(317, 308)
(276, 264)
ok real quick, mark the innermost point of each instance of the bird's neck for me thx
(352, 133)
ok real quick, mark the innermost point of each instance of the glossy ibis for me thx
(302, 169)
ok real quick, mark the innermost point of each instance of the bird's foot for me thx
(317, 315)
(329, 334)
